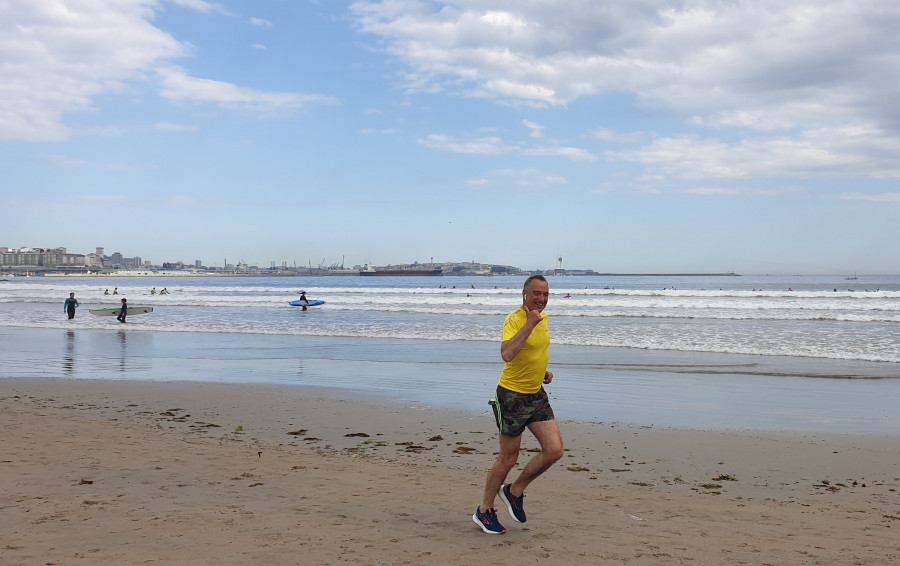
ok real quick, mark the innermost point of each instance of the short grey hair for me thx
(532, 278)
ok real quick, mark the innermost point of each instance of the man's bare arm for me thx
(509, 349)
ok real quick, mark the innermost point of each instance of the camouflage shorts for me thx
(515, 411)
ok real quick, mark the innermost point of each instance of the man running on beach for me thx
(522, 403)
(70, 305)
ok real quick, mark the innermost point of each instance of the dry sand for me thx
(122, 472)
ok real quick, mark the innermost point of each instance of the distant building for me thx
(23, 257)
(59, 258)
(37, 257)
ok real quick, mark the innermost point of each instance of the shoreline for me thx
(662, 388)
(123, 472)
(361, 274)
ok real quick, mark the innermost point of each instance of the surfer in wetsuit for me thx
(123, 311)
(70, 305)
(303, 298)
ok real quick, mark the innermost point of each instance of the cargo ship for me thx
(371, 271)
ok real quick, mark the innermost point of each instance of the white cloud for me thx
(258, 47)
(529, 177)
(103, 198)
(100, 131)
(780, 72)
(761, 64)
(60, 161)
(201, 6)
(168, 127)
(261, 23)
(537, 130)
(883, 197)
(63, 162)
(573, 153)
(555, 180)
(370, 132)
(845, 151)
(711, 191)
(616, 137)
(493, 145)
(55, 58)
(482, 146)
(176, 84)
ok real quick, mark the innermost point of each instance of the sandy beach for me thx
(137, 472)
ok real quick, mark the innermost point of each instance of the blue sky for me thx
(638, 136)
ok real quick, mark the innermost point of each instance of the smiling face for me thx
(535, 295)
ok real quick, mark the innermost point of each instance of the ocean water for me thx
(812, 317)
(774, 353)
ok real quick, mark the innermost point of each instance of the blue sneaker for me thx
(513, 504)
(488, 521)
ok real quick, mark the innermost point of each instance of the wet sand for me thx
(143, 472)
(645, 387)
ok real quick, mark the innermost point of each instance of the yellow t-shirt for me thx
(525, 372)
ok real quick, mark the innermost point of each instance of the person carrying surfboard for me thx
(522, 403)
(124, 311)
(303, 298)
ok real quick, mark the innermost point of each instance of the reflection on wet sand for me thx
(132, 352)
(102, 355)
(123, 350)
(69, 358)
(623, 385)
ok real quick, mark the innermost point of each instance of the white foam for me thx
(810, 322)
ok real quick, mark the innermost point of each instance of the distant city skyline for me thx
(139, 260)
(644, 136)
(127, 261)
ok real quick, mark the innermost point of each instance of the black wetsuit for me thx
(71, 303)
(122, 312)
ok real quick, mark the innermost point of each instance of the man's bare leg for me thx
(506, 460)
(550, 439)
